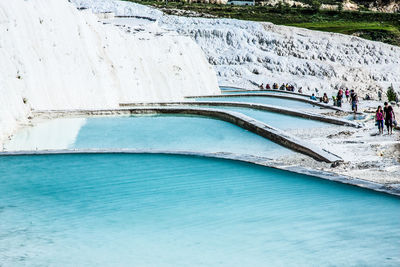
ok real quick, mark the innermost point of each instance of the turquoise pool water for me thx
(356, 117)
(159, 210)
(197, 134)
(230, 88)
(174, 133)
(263, 100)
(276, 120)
(228, 92)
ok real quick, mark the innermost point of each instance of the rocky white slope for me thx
(54, 56)
(245, 53)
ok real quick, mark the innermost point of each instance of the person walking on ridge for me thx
(347, 93)
(339, 98)
(379, 119)
(354, 101)
(389, 117)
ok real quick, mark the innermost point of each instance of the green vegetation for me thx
(377, 31)
(391, 94)
(384, 27)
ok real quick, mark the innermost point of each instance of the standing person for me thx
(389, 117)
(261, 86)
(354, 101)
(347, 93)
(379, 119)
(267, 86)
(339, 98)
(325, 98)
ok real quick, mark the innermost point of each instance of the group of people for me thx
(283, 87)
(386, 114)
(324, 98)
(351, 97)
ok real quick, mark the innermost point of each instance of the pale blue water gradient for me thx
(159, 210)
(263, 100)
(222, 88)
(164, 132)
(355, 117)
(275, 119)
(228, 92)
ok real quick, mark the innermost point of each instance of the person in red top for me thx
(267, 86)
(379, 119)
(339, 98)
(347, 93)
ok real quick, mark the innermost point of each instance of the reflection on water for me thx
(164, 132)
(49, 134)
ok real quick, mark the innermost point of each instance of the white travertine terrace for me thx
(54, 56)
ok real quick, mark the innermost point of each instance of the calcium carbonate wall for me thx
(56, 57)
(246, 53)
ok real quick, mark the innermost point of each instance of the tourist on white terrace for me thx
(379, 119)
(354, 101)
(389, 117)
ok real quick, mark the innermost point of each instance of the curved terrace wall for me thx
(286, 111)
(300, 99)
(236, 118)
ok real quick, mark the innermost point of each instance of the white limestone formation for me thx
(54, 56)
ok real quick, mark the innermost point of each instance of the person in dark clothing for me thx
(325, 98)
(354, 101)
(389, 117)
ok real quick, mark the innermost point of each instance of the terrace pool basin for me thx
(275, 119)
(236, 91)
(286, 103)
(151, 132)
(171, 210)
(223, 88)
